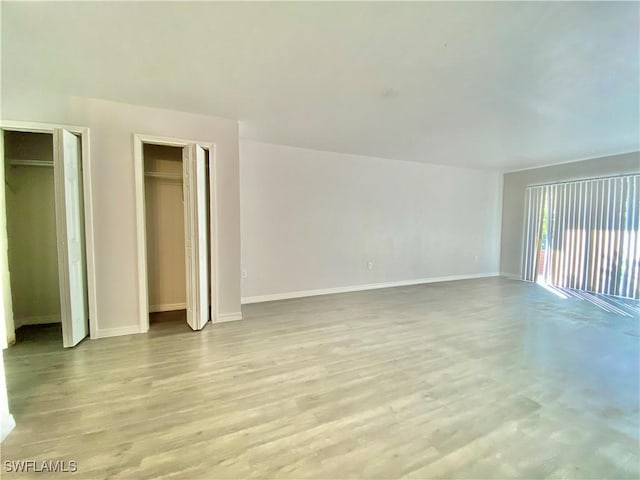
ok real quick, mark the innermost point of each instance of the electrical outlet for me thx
(369, 265)
(475, 259)
(244, 274)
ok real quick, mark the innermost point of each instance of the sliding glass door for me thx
(584, 235)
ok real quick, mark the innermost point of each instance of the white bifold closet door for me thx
(196, 225)
(67, 169)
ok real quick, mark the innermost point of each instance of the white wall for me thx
(112, 126)
(312, 220)
(515, 184)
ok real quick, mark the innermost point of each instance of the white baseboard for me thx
(115, 332)
(357, 288)
(167, 307)
(511, 276)
(228, 317)
(37, 320)
(7, 423)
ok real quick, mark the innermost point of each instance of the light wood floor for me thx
(488, 378)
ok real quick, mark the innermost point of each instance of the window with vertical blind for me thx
(584, 235)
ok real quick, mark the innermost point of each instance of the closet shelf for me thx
(165, 176)
(30, 163)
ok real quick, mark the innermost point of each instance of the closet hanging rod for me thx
(165, 176)
(31, 163)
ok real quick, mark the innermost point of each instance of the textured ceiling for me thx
(491, 85)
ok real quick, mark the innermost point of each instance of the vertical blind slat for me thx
(635, 240)
(600, 234)
(620, 229)
(566, 231)
(590, 241)
(629, 237)
(582, 236)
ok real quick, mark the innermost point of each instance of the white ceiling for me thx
(491, 85)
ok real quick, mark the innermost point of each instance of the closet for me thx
(31, 230)
(177, 222)
(166, 272)
(45, 234)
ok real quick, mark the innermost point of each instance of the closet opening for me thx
(164, 201)
(175, 211)
(46, 236)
